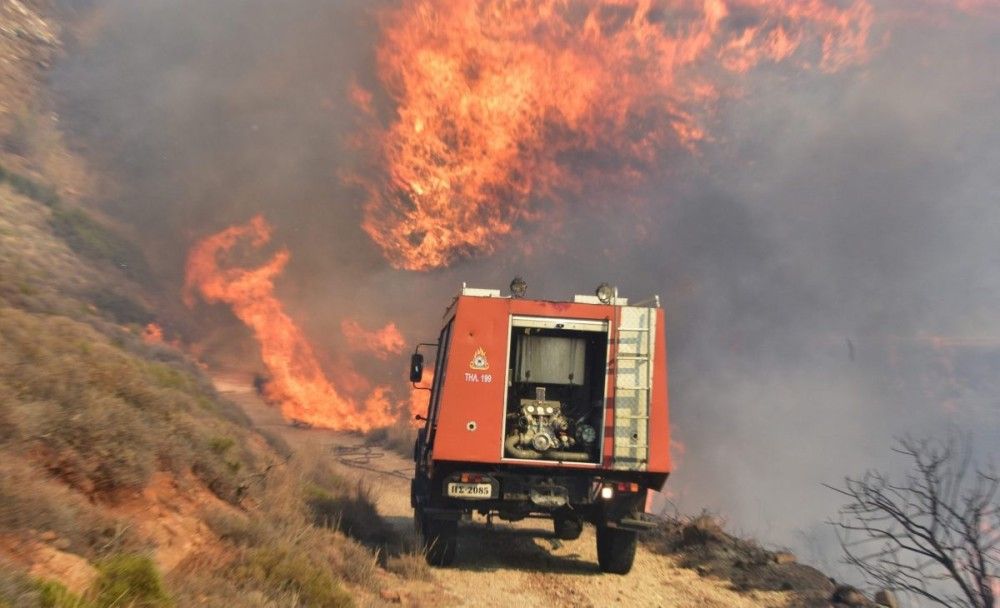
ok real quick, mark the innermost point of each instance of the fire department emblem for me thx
(479, 360)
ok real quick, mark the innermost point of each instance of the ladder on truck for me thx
(636, 335)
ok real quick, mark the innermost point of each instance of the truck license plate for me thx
(470, 490)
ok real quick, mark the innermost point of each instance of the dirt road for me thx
(508, 564)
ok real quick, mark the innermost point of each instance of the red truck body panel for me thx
(469, 421)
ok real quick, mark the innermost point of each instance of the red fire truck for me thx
(543, 409)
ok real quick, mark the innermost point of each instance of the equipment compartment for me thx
(556, 390)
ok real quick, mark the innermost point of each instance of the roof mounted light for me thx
(604, 293)
(518, 287)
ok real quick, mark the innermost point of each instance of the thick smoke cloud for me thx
(808, 257)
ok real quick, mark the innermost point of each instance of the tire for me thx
(439, 538)
(615, 549)
(567, 528)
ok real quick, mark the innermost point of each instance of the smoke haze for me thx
(828, 258)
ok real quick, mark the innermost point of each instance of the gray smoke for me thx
(805, 258)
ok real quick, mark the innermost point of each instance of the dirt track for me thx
(519, 564)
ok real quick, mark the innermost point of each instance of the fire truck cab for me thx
(543, 409)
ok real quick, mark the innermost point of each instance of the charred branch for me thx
(935, 535)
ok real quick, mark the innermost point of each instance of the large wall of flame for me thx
(827, 257)
(498, 105)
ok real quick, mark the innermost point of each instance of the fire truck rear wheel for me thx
(567, 528)
(440, 538)
(615, 549)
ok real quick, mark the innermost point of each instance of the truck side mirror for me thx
(416, 367)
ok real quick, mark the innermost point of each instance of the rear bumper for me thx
(523, 492)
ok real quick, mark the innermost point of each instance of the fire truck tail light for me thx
(607, 492)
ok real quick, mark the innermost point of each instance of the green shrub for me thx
(221, 445)
(54, 595)
(237, 528)
(102, 419)
(30, 188)
(130, 580)
(167, 377)
(411, 565)
(90, 238)
(280, 570)
(121, 307)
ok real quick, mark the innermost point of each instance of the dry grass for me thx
(85, 417)
(16, 589)
(97, 420)
(411, 565)
(29, 501)
(276, 553)
(399, 437)
(353, 512)
(32, 134)
(39, 272)
(102, 420)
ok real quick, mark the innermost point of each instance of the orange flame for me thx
(420, 398)
(297, 381)
(152, 334)
(381, 342)
(499, 103)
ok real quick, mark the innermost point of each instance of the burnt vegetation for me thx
(934, 534)
(702, 544)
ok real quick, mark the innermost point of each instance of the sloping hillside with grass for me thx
(125, 479)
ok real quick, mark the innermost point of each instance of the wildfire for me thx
(152, 334)
(382, 343)
(297, 381)
(500, 103)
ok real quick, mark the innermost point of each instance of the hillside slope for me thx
(123, 474)
(125, 478)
